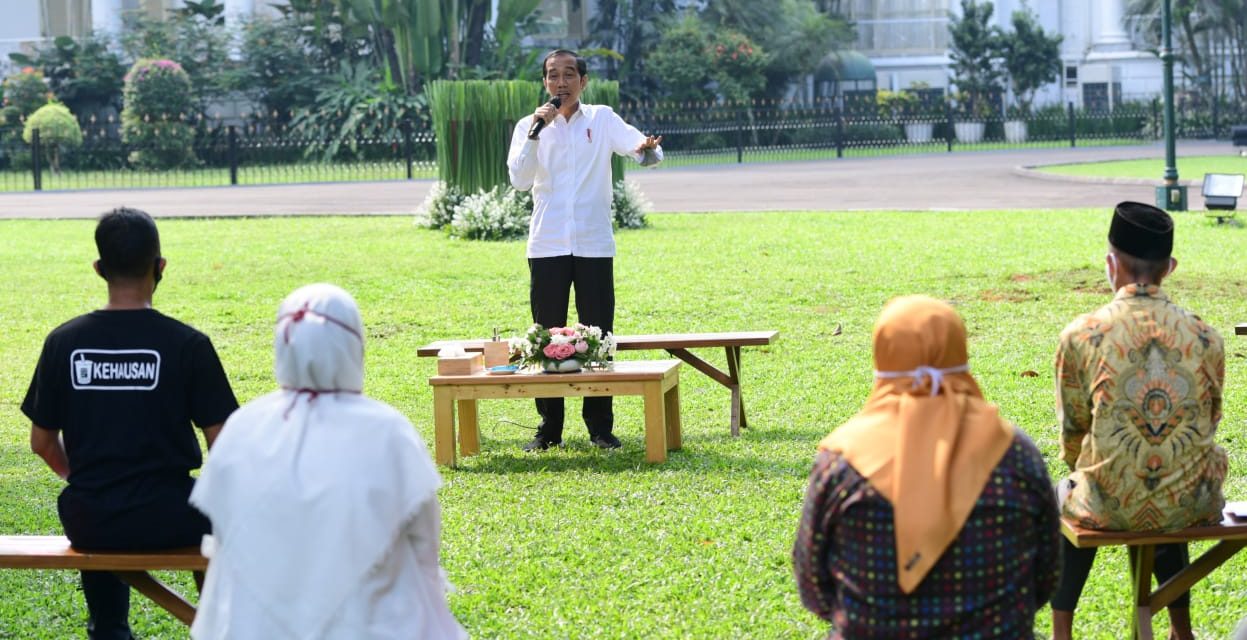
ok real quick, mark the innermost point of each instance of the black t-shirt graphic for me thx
(124, 388)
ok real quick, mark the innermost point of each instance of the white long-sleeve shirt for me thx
(569, 172)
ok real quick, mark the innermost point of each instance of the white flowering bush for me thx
(438, 208)
(503, 213)
(629, 205)
(497, 214)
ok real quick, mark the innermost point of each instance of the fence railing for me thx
(262, 152)
(223, 154)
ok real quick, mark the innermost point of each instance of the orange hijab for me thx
(926, 440)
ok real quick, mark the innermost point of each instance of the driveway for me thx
(938, 181)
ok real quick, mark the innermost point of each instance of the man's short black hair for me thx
(581, 66)
(1148, 270)
(128, 243)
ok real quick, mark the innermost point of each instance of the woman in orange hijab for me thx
(927, 515)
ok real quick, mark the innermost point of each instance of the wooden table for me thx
(678, 345)
(657, 381)
(1232, 537)
(54, 552)
(1240, 329)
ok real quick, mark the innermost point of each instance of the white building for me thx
(907, 40)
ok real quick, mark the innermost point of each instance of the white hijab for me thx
(309, 487)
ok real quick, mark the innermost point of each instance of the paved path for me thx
(961, 180)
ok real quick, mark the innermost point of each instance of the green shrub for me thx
(58, 131)
(156, 117)
(26, 91)
(869, 134)
(356, 115)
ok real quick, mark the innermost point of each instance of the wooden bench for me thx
(658, 381)
(678, 345)
(1231, 534)
(54, 552)
(1240, 329)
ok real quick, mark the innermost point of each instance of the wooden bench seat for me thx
(55, 552)
(1231, 535)
(678, 345)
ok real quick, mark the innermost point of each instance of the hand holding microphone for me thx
(543, 116)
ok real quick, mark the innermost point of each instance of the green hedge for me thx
(473, 121)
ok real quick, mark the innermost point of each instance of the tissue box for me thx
(465, 365)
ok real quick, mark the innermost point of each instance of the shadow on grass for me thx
(700, 454)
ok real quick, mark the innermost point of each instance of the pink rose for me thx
(581, 346)
(558, 351)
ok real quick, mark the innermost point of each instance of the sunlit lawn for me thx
(582, 543)
(1189, 167)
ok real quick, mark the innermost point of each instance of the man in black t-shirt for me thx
(112, 404)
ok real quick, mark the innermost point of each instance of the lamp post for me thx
(1171, 196)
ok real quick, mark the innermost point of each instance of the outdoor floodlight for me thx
(1221, 190)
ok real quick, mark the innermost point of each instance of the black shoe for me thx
(540, 443)
(606, 441)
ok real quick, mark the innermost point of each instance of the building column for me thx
(1110, 35)
(106, 16)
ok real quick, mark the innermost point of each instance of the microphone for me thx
(538, 123)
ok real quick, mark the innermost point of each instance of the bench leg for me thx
(1142, 561)
(1196, 571)
(469, 429)
(671, 403)
(444, 425)
(739, 420)
(159, 593)
(655, 423)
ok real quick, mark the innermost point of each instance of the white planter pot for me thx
(570, 365)
(969, 132)
(919, 131)
(1015, 131)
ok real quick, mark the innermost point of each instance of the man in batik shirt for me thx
(1139, 398)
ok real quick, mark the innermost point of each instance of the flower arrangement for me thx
(563, 349)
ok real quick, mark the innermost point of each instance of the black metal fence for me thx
(221, 154)
(712, 133)
(261, 152)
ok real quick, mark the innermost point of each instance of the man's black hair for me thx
(581, 66)
(1143, 268)
(128, 243)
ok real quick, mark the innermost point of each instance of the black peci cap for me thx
(1142, 231)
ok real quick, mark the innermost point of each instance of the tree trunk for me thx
(474, 35)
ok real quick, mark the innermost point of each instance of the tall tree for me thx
(974, 49)
(633, 29)
(1032, 58)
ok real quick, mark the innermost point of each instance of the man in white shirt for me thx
(570, 238)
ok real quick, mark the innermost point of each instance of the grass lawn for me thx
(582, 543)
(1189, 167)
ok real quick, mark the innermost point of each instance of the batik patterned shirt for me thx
(996, 574)
(1139, 398)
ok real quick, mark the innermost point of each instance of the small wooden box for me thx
(460, 365)
(497, 353)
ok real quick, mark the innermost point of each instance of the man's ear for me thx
(1173, 266)
(99, 269)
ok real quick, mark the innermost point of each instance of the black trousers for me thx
(152, 513)
(550, 283)
(1076, 565)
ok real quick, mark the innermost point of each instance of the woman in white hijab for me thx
(323, 502)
